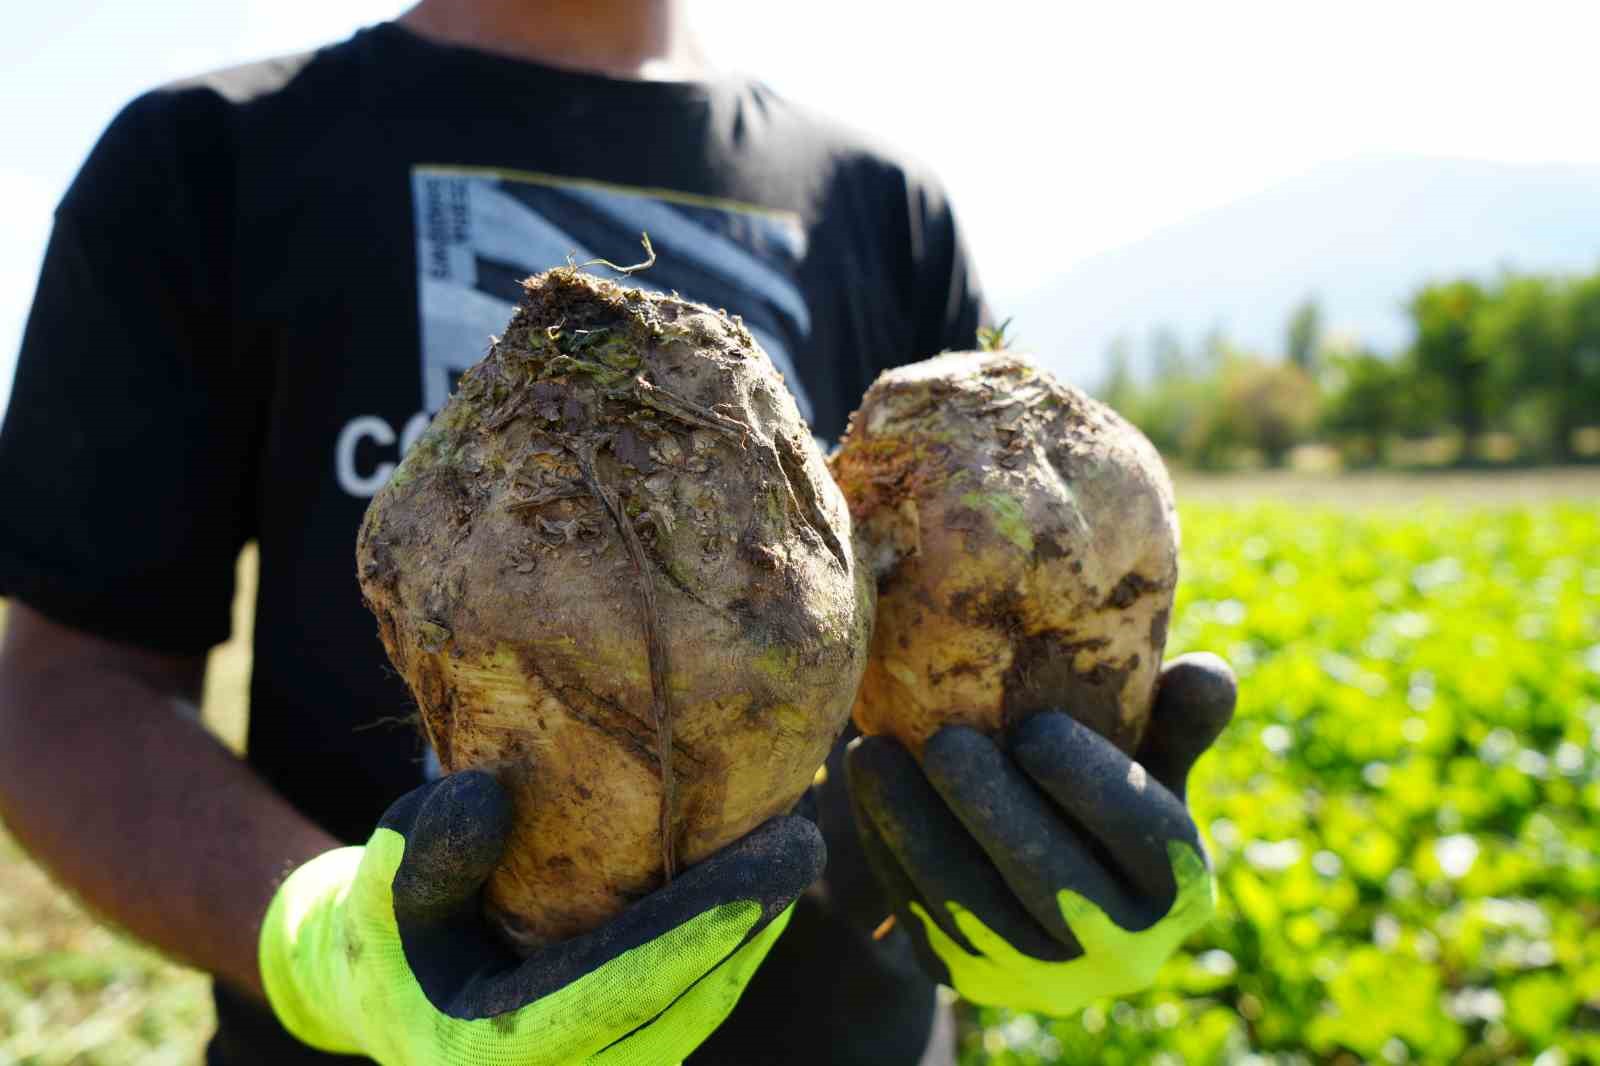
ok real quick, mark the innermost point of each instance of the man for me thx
(243, 284)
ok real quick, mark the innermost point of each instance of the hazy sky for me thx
(1062, 129)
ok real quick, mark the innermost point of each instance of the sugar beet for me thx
(616, 572)
(1025, 544)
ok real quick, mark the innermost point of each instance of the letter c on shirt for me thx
(375, 429)
(368, 427)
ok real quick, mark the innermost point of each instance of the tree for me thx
(1216, 349)
(1444, 316)
(1263, 406)
(1273, 406)
(1582, 389)
(1172, 408)
(1166, 355)
(1305, 335)
(1544, 335)
(1366, 400)
(1525, 329)
(1119, 389)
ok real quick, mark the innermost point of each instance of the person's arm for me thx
(108, 780)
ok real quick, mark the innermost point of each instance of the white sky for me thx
(1061, 128)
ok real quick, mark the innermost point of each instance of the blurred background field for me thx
(1405, 814)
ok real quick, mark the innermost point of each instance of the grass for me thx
(1403, 815)
(71, 991)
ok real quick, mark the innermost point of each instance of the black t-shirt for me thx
(263, 281)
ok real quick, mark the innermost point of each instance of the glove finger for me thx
(1129, 814)
(1036, 850)
(679, 1029)
(899, 893)
(769, 867)
(1194, 703)
(939, 857)
(455, 831)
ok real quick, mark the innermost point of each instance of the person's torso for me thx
(388, 200)
(388, 196)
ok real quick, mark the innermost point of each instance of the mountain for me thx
(1359, 235)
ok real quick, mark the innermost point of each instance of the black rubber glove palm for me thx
(1048, 869)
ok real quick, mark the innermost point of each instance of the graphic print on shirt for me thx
(480, 231)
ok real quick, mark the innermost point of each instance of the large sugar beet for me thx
(616, 572)
(1025, 544)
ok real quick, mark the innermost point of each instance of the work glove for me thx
(1048, 870)
(382, 950)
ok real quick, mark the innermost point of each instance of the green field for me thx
(1405, 815)
(1406, 812)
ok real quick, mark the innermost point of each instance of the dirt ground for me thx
(1492, 488)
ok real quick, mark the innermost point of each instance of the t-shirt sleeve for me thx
(950, 304)
(126, 453)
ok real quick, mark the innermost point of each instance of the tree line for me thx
(1515, 359)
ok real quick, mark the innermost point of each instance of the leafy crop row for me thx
(1405, 815)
